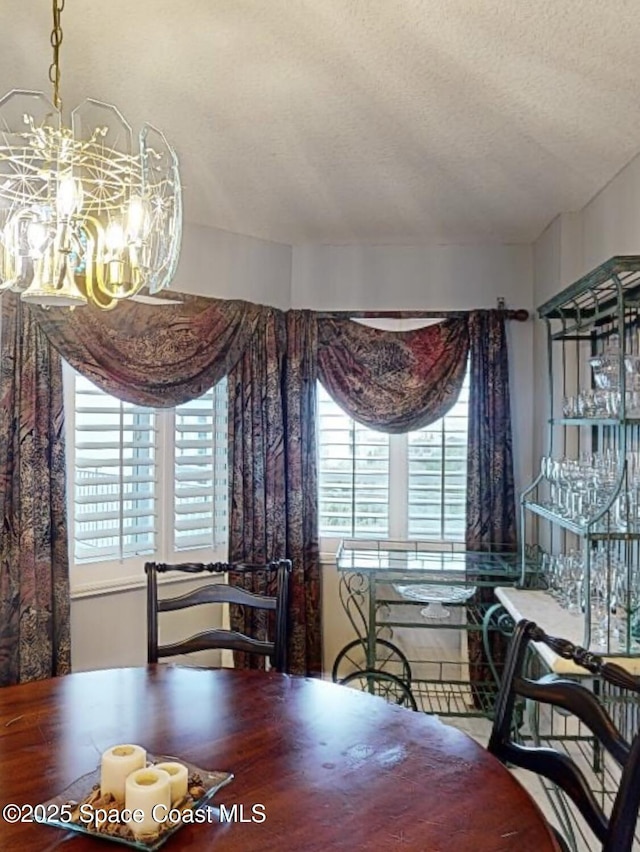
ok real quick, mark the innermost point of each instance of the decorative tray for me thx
(435, 596)
(60, 810)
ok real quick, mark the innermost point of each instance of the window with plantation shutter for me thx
(114, 488)
(375, 485)
(200, 470)
(353, 474)
(143, 482)
(437, 467)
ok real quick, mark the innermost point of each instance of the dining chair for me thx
(269, 606)
(578, 698)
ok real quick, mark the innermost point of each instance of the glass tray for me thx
(435, 596)
(79, 789)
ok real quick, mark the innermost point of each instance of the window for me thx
(200, 470)
(375, 485)
(353, 474)
(144, 482)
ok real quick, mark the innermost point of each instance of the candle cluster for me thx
(124, 774)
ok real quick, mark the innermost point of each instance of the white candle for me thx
(179, 777)
(146, 788)
(117, 763)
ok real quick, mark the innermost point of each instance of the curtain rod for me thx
(520, 315)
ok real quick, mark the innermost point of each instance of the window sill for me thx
(124, 584)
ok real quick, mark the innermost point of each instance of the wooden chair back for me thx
(273, 646)
(615, 830)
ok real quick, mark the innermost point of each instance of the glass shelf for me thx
(580, 529)
(420, 561)
(593, 421)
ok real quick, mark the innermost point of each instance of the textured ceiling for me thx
(374, 121)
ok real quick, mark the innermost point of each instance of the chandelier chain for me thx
(56, 41)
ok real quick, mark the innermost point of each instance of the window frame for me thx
(109, 575)
(399, 491)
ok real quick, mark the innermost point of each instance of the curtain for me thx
(396, 382)
(256, 446)
(166, 355)
(34, 563)
(393, 381)
(491, 507)
(153, 355)
(273, 476)
(300, 377)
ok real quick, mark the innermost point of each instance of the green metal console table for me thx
(412, 605)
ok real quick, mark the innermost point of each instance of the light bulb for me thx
(137, 218)
(36, 234)
(114, 237)
(69, 196)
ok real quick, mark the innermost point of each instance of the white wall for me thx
(232, 266)
(610, 223)
(410, 277)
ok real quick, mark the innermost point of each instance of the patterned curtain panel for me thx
(491, 508)
(393, 381)
(273, 476)
(153, 355)
(300, 379)
(34, 563)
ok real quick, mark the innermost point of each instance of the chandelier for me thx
(83, 216)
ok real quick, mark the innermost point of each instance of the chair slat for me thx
(218, 638)
(218, 593)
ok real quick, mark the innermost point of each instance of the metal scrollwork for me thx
(353, 590)
(383, 611)
(504, 623)
(495, 618)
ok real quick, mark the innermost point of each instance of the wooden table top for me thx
(334, 768)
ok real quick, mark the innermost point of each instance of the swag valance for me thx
(393, 381)
(164, 356)
(159, 356)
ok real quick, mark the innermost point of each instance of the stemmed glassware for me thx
(614, 595)
(580, 489)
(605, 399)
(627, 610)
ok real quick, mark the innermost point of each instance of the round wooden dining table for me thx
(328, 767)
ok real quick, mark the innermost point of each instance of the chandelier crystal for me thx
(84, 216)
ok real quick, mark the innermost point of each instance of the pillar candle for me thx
(117, 763)
(179, 777)
(146, 788)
